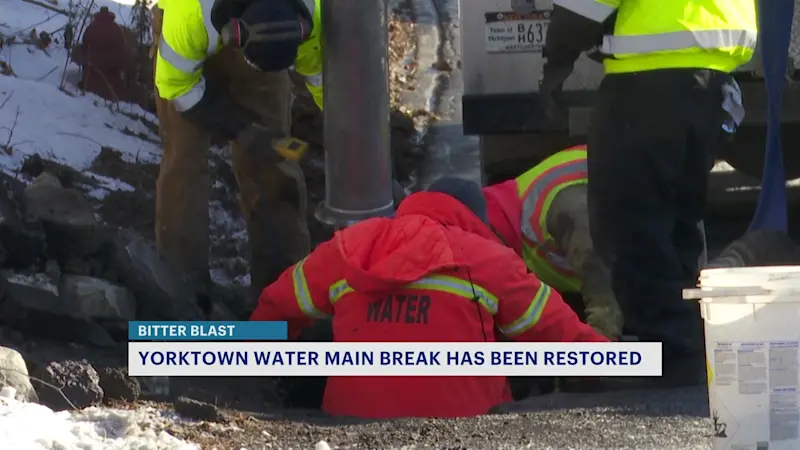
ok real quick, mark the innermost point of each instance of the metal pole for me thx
(358, 162)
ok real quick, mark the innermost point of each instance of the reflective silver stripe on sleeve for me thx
(314, 80)
(587, 8)
(179, 62)
(213, 34)
(191, 98)
(679, 40)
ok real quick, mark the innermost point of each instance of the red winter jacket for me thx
(504, 209)
(414, 278)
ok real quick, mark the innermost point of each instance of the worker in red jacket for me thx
(433, 273)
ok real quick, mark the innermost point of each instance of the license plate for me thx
(511, 32)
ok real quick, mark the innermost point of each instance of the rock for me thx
(154, 387)
(14, 373)
(162, 292)
(53, 271)
(30, 302)
(22, 238)
(194, 409)
(117, 329)
(322, 445)
(96, 298)
(67, 215)
(220, 312)
(77, 380)
(117, 385)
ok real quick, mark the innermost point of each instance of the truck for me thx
(502, 65)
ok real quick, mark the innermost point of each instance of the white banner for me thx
(393, 359)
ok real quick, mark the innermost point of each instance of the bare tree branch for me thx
(60, 390)
(45, 5)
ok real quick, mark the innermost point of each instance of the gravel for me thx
(642, 420)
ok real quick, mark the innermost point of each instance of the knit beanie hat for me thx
(269, 32)
(467, 192)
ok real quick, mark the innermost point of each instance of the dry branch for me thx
(50, 7)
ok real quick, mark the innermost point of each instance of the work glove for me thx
(218, 114)
(550, 86)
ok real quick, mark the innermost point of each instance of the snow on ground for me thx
(30, 426)
(41, 115)
(37, 117)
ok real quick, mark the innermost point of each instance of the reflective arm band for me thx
(679, 40)
(191, 97)
(178, 61)
(590, 9)
(314, 80)
(303, 295)
(531, 316)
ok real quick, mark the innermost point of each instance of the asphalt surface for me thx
(621, 420)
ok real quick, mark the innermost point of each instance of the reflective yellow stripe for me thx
(191, 97)
(440, 283)
(339, 290)
(302, 293)
(678, 40)
(177, 60)
(587, 8)
(459, 287)
(531, 316)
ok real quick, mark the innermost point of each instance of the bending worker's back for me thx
(433, 273)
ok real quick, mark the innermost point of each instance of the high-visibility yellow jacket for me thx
(188, 38)
(670, 34)
(518, 211)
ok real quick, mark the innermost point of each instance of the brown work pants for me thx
(272, 196)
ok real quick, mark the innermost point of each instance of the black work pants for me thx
(652, 135)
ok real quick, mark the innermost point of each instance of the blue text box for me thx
(207, 331)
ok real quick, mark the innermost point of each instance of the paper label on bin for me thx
(756, 382)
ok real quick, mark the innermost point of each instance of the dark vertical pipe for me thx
(358, 163)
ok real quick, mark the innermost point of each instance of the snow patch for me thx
(29, 426)
(37, 117)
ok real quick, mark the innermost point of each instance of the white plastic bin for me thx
(752, 334)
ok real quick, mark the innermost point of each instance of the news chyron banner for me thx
(261, 349)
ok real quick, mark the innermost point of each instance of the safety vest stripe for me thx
(178, 61)
(541, 243)
(557, 262)
(439, 283)
(302, 294)
(314, 80)
(537, 191)
(562, 178)
(191, 97)
(531, 316)
(678, 40)
(211, 32)
(338, 290)
(456, 286)
(587, 8)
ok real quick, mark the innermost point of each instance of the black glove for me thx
(217, 113)
(553, 80)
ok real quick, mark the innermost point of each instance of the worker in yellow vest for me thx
(657, 117)
(222, 66)
(543, 216)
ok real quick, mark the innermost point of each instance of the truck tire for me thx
(746, 154)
